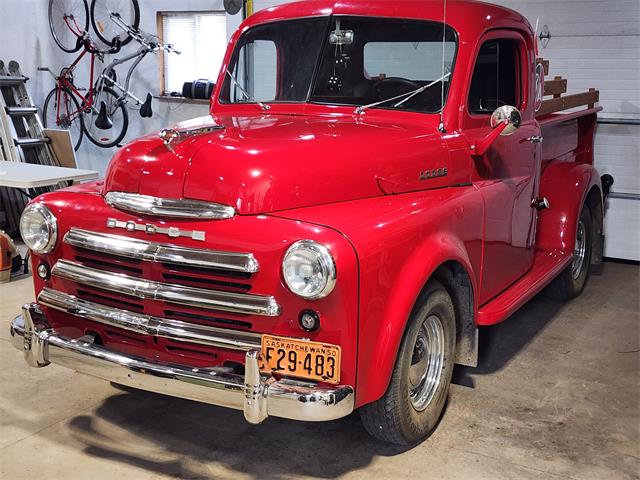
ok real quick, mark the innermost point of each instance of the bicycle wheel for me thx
(109, 31)
(68, 19)
(107, 121)
(67, 117)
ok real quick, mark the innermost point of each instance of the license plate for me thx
(302, 359)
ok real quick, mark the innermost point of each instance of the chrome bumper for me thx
(258, 396)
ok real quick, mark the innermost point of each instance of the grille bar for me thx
(148, 325)
(167, 207)
(168, 292)
(160, 252)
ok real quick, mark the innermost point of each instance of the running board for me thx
(547, 265)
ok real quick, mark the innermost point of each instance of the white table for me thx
(27, 175)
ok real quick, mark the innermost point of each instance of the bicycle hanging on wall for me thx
(101, 112)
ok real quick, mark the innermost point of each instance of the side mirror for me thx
(504, 121)
(509, 115)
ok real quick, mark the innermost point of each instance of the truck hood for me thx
(268, 162)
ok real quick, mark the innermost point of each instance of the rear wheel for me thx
(67, 116)
(107, 121)
(68, 19)
(571, 282)
(417, 392)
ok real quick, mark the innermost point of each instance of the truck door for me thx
(506, 174)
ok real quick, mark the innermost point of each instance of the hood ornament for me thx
(172, 137)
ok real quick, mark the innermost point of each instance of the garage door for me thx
(597, 44)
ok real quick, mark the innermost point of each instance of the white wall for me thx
(25, 37)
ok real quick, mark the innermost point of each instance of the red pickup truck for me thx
(370, 186)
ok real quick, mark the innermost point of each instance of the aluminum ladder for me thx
(22, 138)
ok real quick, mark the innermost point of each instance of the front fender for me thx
(380, 341)
(565, 185)
(400, 241)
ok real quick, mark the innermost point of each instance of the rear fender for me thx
(566, 186)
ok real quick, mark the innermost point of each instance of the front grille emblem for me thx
(149, 228)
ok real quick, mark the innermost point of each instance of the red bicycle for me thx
(99, 112)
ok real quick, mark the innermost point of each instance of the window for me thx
(411, 60)
(343, 60)
(201, 37)
(495, 79)
(256, 72)
(383, 58)
(275, 62)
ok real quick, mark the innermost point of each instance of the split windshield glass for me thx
(343, 60)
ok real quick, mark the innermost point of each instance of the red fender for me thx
(379, 347)
(565, 185)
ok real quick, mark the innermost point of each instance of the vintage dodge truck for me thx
(371, 186)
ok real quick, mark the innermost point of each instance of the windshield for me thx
(343, 60)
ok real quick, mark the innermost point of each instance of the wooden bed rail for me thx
(556, 88)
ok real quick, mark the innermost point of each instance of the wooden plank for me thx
(568, 101)
(545, 64)
(160, 30)
(555, 87)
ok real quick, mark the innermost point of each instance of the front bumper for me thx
(258, 396)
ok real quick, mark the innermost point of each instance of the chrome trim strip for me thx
(151, 229)
(258, 396)
(168, 207)
(148, 325)
(194, 297)
(159, 252)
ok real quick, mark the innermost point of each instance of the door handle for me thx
(535, 138)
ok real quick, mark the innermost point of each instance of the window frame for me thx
(521, 74)
(163, 93)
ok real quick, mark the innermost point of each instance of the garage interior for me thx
(556, 393)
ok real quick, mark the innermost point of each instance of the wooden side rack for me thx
(556, 88)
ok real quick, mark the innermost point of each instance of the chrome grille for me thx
(168, 292)
(199, 297)
(159, 252)
(146, 324)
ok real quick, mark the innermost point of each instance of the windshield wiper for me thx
(405, 96)
(246, 94)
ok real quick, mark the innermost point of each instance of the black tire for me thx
(117, 114)
(62, 34)
(74, 124)
(109, 32)
(571, 282)
(399, 417)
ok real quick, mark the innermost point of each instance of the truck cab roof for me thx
(467, 17)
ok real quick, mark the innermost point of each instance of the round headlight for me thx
(309, 270)
(38, 228)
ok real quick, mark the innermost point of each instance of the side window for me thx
(495, 80)
(257, 60)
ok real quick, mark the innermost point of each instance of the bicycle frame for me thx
(123, 89)
(63, 82)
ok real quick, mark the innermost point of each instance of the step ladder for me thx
(22, 138)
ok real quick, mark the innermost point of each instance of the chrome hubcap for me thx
(579, 251)
(426, 363)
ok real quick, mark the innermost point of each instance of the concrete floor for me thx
(556, 395)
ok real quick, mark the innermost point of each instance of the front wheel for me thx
(107, 15)
(106, 122)
(417, 392)
(68, 20)
(62, 110)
